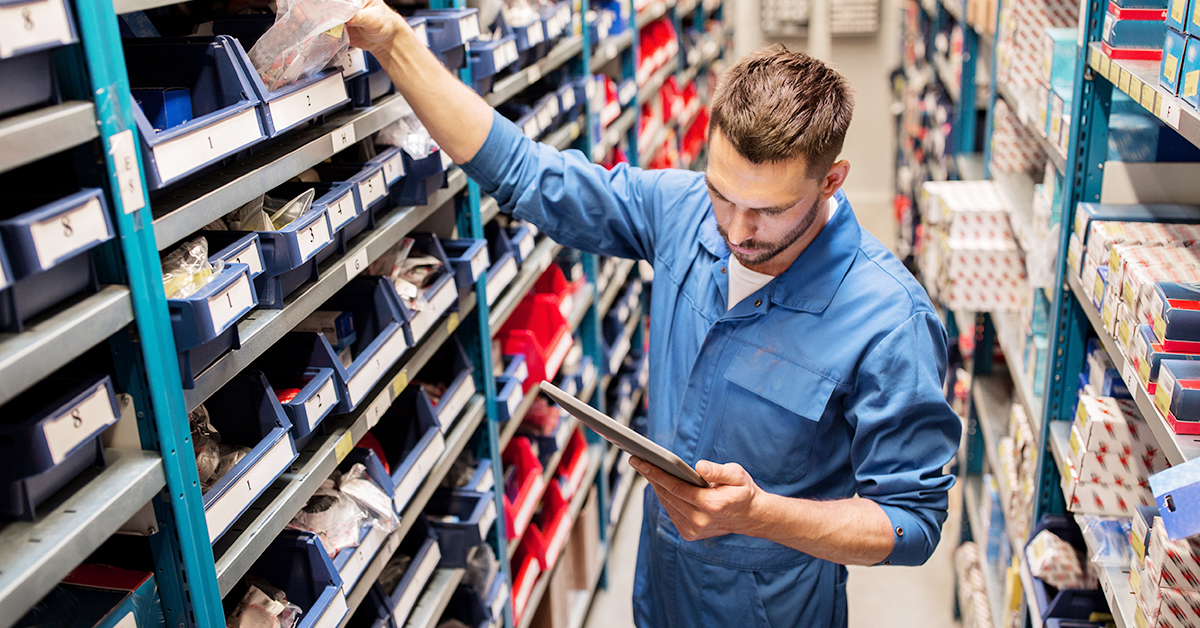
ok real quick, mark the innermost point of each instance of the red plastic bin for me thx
(519, 512)
(553, 285)
(527, 566)
(574, 464)
(538, 331)
(553, 525)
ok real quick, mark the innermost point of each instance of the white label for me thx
(33, 24)
(623, 312)
(522, 598)
(337, 609)
(523, 372)
(556, 542)
(545, 117)
(443, 299)
(314, 237)
(422, 34)
(500, 601)
(533, 74)
(514, 402)
(421, 323)
(525, 246)
(362, 556)
(321, 403)
(486, 483)
(564, 434)
(128, 621)
(378, 408)
(628, 92)
(353, 62)
(488, 518)
(357, 264)
(479, 263)
(577, 474)
(408, 599)
(510, 54)
(227, 306)
(447, 161)
(618, 354)
(295, 108)
(250, 256)
(525, 514)
(393, 169)
(560, 352)
(468, 27)
(532, 228)
(342, 211)
(566, 306)
(450, 408)
(419, 470)
(373, 189)
(225, 510)
(531, 128)
(342, 138)
(501, 279)
(129, 175)
(79, 423)
(65, 234)
(610, 52)
(568, 99)
(175, 158)
(1170, 110)
(1130, 376)
(361, 383)
(534, 34)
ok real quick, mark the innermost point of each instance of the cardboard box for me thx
(1059, 58)
(1166, 608)
(1177, 395)
(1177, 492)
(584, 543)
(1174, 310)
(1174, 564)
(1098, 499)
(1119, 467)
(1146, 353)
(554, 610)
(1113, 425)
(1126, 36)
(1189, 75)
(1087, 212)
(1177, 16)
(1172, 61)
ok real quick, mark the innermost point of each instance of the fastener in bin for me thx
(449, 30)
(50, 434)
(422, 282)
(296, 563)
(47, 248)
(289, 106)
(253, 427)
(412, 443)
(409, 570)
(224, 117)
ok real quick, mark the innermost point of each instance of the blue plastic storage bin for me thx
(236, 248)
(531, 41)
(448, 31)
(467, 607)
(504, 261)
(497, 600)
(1065, 603)
(412, 443)
(224, 108)
(449, 367)
(524, 237)
(556, 20)
(296, 563)
(441, 293)
(569, 107)
(509, 395)
(50, 434)
(205, 323)
(338, 200)
(289, 255)
(357, 75)
(292, 105)
(470, 260)
(316, 399)
(373, 85)
(516, 368)
(29, 81)
(371, 190)
(98, 596)
(373, 611)
(246, 413)
(422, 545)
(382, 336)
(352, 562)
(421, 178)
(490, 58)
(47, 251)
(475, 512)
(482, 478)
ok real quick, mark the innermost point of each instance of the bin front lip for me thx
(228, 276)
(277, 434)
(12, 229)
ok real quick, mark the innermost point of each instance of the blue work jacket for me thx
(825, 383)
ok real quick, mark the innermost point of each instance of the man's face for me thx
(768, 212)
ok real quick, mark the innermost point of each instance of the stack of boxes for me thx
(1112, 454)
(1018, 459)
(1022, 26)
(1165, 575)
(1035, 318)
(1179, 70)
(1056, 86)
(1014, 147)
(970, 257)
(1134, 29)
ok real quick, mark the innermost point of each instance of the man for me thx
(788, 347)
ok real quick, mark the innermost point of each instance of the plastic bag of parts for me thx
(1108, 537)
(186, 269)
(520, 12)
(213, 459)
(462, 471)
(482, 567)
(306, 36)
(410, 273)
(410, 135)
(394, 571)
(263, 606)
(333, 516)
(358, 485)
(265, 213)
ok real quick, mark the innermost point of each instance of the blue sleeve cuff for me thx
(914, 537)
(489, 165)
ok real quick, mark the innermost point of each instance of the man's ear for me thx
(835, 178)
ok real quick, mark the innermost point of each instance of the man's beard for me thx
(765, 252)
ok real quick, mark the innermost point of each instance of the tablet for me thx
(628, 440)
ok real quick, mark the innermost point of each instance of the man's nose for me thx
(740, 228)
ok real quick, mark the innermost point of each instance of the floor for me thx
(897, 597)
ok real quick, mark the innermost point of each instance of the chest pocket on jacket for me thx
(771, 415)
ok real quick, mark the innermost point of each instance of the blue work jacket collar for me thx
(808, 285)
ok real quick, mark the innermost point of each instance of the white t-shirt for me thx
(744, 282)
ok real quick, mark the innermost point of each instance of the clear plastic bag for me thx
(358, 485)
(206, 445)
(306, 36)
(283, 213)
(263, 606)
(186, 269)
(1108, 538)
(408, 273)
(482, 567)
(393, 572)
(333, 516)
(410, 135)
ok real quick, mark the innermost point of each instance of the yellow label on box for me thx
(1177, 9)
(1135, 576)
(343, 447)
(1144, 371)
(399, 382)
(1171, 67)
(1196, 15)
(1076, 446)
(1107, 314)
(1148, 96)
(1125, 332)
(452, 322)
(1190, 81)
(1162, 399)
(1159, 323)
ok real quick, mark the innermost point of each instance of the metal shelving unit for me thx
(562, 52)
(38, 134)
(435, 599)
(1022, 103)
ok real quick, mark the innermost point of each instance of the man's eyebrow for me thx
(765, 210)
(713, 189)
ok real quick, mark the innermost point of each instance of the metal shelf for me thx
(650, 90)
(506, 88)
(653, 12)
(38, 134)
(237, 550)
(489, 208)
(456, 442)
(970, 166)
(1023, 104)
(37, 554)
(972, 502)
(1008, 332)
(993, 398)
(51, 342)
(129, 6)
(539, 589)
(1139, 79)
(188, 209)
(567, 133)
(614, 132)
(611, 48)
(263, 328)
(539, 260)
(1179, 448)
(618, 280)
(435, 599)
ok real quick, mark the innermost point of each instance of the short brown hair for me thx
(774, 105)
